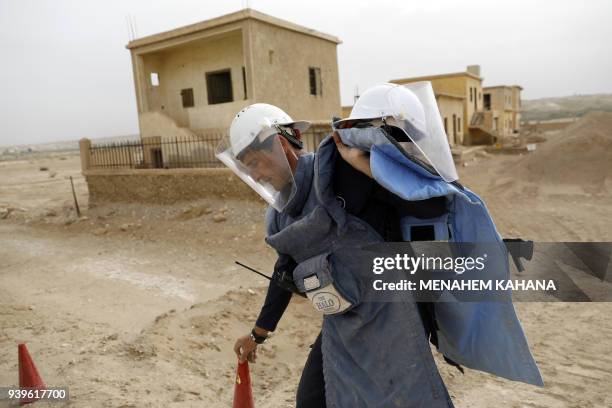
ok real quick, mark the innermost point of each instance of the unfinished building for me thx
(502, 105)
(471, 113)
(191, 81)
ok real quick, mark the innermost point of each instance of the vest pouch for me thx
(425, 229)
(313, 277)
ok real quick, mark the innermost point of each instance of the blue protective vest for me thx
(376, 354)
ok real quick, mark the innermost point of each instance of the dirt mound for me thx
(580, 155)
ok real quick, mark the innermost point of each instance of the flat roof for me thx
(502, 86)
(227, 19)
(440, 76)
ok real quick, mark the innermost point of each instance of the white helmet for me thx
(413, 109)
(264, 166)
(258, 121)
(387, 101)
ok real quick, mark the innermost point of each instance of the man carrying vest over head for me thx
(386, 167)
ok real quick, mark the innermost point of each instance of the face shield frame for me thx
(416, 114)
(268, 173)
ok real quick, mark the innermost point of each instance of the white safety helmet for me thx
(413, 109)
(259, 121)
(387, 101)
(255, 154)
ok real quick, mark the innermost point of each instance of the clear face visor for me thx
(421, 133)
(426, 131)
(263, 166)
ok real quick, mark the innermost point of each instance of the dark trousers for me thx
(311, 391)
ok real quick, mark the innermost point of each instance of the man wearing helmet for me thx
(322, 203)
(265, 150)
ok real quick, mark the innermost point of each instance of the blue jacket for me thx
(376, 354)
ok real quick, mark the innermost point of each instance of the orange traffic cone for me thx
(28, 374)
(243, 394)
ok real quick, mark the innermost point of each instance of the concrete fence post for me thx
(84, 147)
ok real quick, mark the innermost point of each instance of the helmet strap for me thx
(295, 141)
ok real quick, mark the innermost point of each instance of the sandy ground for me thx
(137, 306)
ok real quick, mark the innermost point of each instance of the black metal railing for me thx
(193, 151)
(157, 153)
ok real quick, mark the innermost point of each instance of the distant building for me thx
(472, 114)
(459, 97)
(502, 105)
(196, 78)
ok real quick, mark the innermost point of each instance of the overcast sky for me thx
(65, 72)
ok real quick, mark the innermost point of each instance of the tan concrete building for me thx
(459, 97)
(502, 105)
(451, 109)
(196, 78)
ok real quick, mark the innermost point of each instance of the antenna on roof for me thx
(135, 27)
(356, 96)
(129, 30)
(131, 26)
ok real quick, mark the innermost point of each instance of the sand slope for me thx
(138, 306)
(579, 155)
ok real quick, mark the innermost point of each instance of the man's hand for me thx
(353, 156)
(246, 349)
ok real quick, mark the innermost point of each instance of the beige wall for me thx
(165, 186)
(185, 66)
(280, 71)
(315, 134)
(516, 106)
(159, 124)
(498, 98)
(346, 111)
(505, 103)
(491, 120)
(452, 109)
(475, 103)
(276, 73)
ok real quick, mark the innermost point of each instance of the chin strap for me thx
(293, 139)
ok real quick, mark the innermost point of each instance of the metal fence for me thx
(196, 151)
(157, 153)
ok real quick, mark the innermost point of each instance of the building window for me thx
(154, 79)
(187, 96)
(244, 88)
(459, 125)
(314, 77)
(219, 87)
(454, 129)
(470, 94)
(487, 101)
(446, 126)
